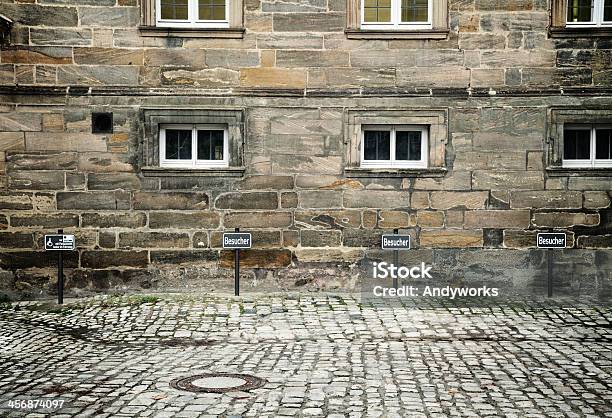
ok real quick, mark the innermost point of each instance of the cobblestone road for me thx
(322, 355)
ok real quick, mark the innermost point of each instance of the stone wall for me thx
(294, 77)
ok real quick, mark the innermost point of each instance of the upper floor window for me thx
(397, 19)
(192, 13)
(396, 14)
(589, 13)
(587, 146)
(385, 146)
(193, 146)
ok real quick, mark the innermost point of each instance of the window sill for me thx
(396, 34)
(579, 171)
(580, 32)
(360, 172)
(192, 172)
(229, 33)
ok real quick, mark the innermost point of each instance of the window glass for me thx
(178, 144)
(577, 144)
(210, 145)
(211, 9)
(377, 145)
(408, 145)
(415, 10)
(175, 9)
(580, 10)
(607, 11)
(377, 11)
(603, 144)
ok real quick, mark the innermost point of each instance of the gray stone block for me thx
(94, 200)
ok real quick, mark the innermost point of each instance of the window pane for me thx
(210, 145)
(577, 144)
(377, 145)
(603, 144)
(178, 144)
(175, 9)
(580, 10)
(377, 11)
(408, 146)
(608, 11)
(212, 9)
(415, 10)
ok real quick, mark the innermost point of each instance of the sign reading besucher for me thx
(396, 242)
(551, 240)
(237, 240)
(60, 242)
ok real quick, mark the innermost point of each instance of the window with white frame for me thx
(396, 14)
(587, 146)
(589, 13)
(193, 146)
(192, 13)
(400, 146)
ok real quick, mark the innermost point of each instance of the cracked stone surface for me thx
(322, 355)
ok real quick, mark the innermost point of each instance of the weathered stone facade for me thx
(290, 88)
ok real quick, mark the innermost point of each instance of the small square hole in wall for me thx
(102, 123)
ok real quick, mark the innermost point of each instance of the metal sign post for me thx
(550, 241)
(237, 241)
(60, 243)
(395, 242)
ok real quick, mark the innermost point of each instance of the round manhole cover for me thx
(218, 383)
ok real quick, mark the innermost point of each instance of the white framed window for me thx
(192, 13)
(589, 13)
(193, 146)
(587, 146)
(394, 146)
(396, 14)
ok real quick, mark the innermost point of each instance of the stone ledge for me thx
(578, 172)
(188, 172)
(358, 172)
(72, 90)
(229, 33)
(587, 32)
(390, 34)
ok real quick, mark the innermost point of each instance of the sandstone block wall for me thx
(295, 77)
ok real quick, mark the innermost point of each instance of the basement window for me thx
(192, 142)
(589, 13)
(197, 146)
(396, 143)
(587, 146)
(394, 146)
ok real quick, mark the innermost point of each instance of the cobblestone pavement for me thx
(322, 355)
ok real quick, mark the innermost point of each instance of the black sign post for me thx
(395, 242)
(236, 241)
(60, 243)
(550, 241)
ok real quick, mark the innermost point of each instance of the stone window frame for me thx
(560, 29)
(148, 24)
(558, 117)
(435, 118)
(153, 118)
(439, 24)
